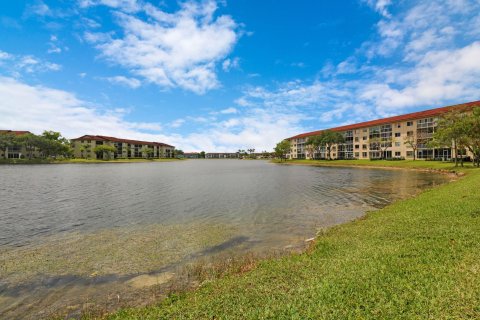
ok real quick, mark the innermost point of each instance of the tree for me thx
(178, 153)
(202, 154)
(329, 138)
(30, 142)
(7, 140)
(450, 132)
(382, 144)
(85, 150)
(282, 149)
(147, 151)
(313, 144)
(472, 134)
(105, 151)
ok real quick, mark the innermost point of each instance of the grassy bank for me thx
(51, 161)
(404, 164)
(415, 259)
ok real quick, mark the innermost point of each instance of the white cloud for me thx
(380, 6)
(40, 9)
(179, 49)
(445, 75)
(125, 5)
(230, 110)
(17, 65)
(4, 55)
(129, 82)
(39, 108)
(229, 64)
(177, 123)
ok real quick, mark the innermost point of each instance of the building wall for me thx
(358, 142)
(17, 153)
(124, 150)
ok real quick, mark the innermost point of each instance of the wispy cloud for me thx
(122, 80)
(179, 49)
(16, 65)
(124, 5)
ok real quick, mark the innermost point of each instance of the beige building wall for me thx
(84, 149)
(362, 148)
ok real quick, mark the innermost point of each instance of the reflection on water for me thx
(72, 233)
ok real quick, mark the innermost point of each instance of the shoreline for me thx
(452, 172)
(183, 306)
(83, 161)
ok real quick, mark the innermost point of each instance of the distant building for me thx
(361, 139)
(15, 152)
(125, 148)
(221, 155)
(191, 155)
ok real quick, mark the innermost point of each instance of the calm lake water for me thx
(73, 235)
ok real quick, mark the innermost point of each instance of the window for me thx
(357, 154)
(398, 154)
(364, 138)
(409, 154)
(364, 146)
(409, 123)
(397, 134)
(356, 139)
(357, 146)
(399, 125)
(364, 154)
(397, 144)
(409, 133)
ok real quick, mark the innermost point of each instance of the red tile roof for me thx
(17, 133)
(404, 117)
(113, 139)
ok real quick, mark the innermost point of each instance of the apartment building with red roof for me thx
(393, 130)
(84, 147)
(15, 152)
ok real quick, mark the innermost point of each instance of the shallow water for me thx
(85, 232)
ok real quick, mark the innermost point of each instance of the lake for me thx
(74, 236)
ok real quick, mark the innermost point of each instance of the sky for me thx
(223, 75)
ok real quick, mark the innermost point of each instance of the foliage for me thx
(450, 132)
(147, 151)
(472, 134)
(7, 140)
(202, 154)
(282, 149)
(104, 151)
(328, 138)
(48, 145)
(381, 144)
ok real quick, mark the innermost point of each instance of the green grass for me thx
(405, 164)
(415, 259)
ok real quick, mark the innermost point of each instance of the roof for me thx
(15, 132)
(404, 117)
(113, 139)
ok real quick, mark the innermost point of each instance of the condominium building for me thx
(221, 155)
(383, 138)
(17, 151)
(84, 147)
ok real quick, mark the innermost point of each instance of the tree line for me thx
(49, 144)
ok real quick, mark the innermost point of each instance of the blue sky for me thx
(223, 75)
